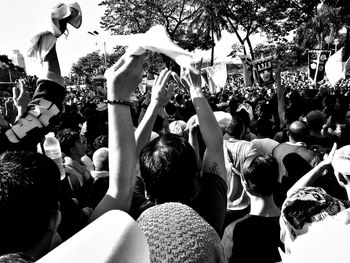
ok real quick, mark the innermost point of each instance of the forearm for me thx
(213, 160)
(145, 127)
(209, 127)
(309, 178)
(193, 140)
(122, 161)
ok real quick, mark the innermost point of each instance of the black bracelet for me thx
(120, 102)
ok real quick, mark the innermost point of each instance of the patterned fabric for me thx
(176, 233)
(304, 207)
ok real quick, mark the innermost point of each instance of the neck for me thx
(263, 206)
(76, 157)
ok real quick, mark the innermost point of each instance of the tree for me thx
(137, 16)
(94, 63)
(209, 22)
(9, 71)
(248, 17)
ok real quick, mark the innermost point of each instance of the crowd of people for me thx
(171, 172)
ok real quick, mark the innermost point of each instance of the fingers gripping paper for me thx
(157, 40)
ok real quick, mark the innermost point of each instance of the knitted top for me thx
(176, 233)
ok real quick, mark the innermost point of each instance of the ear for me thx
(72, 150)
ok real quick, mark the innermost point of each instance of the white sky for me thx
(21, 19)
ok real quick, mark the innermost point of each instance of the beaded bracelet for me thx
(120, 102)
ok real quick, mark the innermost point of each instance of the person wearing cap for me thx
(177, 233)
(320, 207)
(256, 236)
(325, 242)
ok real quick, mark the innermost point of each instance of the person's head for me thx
(101, 141)
(260, 101)
(315, 120)
(264, 127)
(304, 208)
(177, 233)
(72, 143)
(28, 201)
(298, 131)
(347, 118)
(260, 175)
(291, 115)
(100, 159)
(236, 128)
(168, 165)
(178, 127)
(325, 242)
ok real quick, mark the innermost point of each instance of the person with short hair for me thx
(74, 147)
(168, 164)
(256, 236)
(29, 206)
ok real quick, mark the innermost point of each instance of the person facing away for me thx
(297, 134)
(256, 236)
(168, 164)
(28, 203)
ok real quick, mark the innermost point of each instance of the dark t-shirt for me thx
(281, 150)
(211, 201)
(254, 239)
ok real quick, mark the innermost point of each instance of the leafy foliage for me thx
(94, 63)
(7, 67)
(137, 16)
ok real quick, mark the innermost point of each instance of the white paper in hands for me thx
(157, 40)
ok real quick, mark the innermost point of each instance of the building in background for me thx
(18, 59)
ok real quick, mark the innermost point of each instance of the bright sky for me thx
(21, 19)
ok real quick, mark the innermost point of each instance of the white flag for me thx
(217, 76)
(334, 67)
(157, 40)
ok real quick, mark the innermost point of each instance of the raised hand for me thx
(10, 111)
(124, 76)
(21, 97)
(193, 126)
(191, 79)
(328, 158)
(161, 92)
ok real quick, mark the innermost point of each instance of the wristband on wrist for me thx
(119, 102)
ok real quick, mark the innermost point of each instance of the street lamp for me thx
(95, 34)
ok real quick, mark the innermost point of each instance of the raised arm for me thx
(160, 96)
(280, 96)
(193, 128)
(213, 160)
(122, 79)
